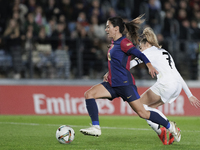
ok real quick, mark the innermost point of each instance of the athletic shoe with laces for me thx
(93, 131)
(163, 135)
(174, 131)
(171, 138)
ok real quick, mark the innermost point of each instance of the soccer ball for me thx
(65, 134)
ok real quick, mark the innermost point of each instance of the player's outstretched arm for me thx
(194, 101)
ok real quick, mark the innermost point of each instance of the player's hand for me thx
(105, 77)
(194, 101)
(152, 71)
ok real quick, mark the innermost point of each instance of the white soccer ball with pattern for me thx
(65, 134)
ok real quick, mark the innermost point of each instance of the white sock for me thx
(154, 126)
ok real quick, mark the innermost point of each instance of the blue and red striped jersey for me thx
(119, 57)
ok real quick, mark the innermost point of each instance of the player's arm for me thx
(134, 51)
(130, 49)
(193, 100)
(136, 61)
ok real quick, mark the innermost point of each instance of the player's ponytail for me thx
(129, 28)
(149, 36)
(133, 27)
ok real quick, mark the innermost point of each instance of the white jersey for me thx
(169, 82)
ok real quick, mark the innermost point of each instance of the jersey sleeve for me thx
(136, 52)
(185, 87)
(136, 61)
(128, 47)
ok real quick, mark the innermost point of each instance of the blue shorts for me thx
(127, 93)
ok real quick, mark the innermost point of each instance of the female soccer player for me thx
(119, 81)
(169, 82)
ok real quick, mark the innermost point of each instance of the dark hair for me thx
(117, 21)
(130, 28)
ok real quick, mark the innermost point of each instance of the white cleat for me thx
(175, 131)
(93, 131)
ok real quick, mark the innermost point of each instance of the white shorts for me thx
(168, 91)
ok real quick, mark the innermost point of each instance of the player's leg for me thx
(130, 94)
(97, 91)
(151, 115)
(156, 127)
(153, 101)
(155, 117)
(161, 131)
(149, 98)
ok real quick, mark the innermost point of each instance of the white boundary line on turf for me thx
(37, 124)
(77, 126)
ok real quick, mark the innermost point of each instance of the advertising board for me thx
(69, 100)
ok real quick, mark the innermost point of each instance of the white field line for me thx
(77, 126)
(74, 126)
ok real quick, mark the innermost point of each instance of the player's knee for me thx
(88, 94)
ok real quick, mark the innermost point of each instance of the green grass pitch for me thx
(118, 133)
